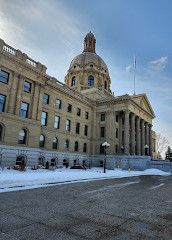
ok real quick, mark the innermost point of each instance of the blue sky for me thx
(52, 32)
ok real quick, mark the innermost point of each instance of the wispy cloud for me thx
(128, 68)
(158, 65)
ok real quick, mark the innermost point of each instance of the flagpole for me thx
(134, 75)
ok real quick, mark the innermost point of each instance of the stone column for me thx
(13, 93)
(120, 133)
(126, 133)
(147, 136)
(142, 137)
(19, 95)
(35, 100)
(138, 152)
(150, 140)
(133, 134)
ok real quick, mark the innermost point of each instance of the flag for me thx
(134, 62)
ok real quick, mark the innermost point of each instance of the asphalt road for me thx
(127, 208)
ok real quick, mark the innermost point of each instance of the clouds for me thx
(128, 68)
(158, 65)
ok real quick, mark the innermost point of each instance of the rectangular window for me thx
(27, 87)
(123, 121)
(58, 103)
(86, 130)
(102, 131)
(57, 122)
(103, 117)
(116, 132)
(77, 128)
(69, 108)
(78, 112)
(68, 125)
(46, 98)
(24, 110)
(2, 103)
(44, 119)
(117, 118)
(86, 115)
(4, 76)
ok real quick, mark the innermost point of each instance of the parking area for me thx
(127, 208)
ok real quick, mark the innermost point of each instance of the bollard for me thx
(129, 169)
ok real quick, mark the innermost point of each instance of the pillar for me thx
(142, 137)
(138, 152)
(19, 95)
(147, 136)
(150, 140)
(133, 134)
(126, 133)
(13, 93)
(35, 100)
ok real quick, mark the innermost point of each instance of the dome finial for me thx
(89, 43)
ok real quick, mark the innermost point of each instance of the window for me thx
(27, 87)
(76, 146)
(1, 129)
(42, 141)
(22, 137)
(53, 162)
(20, 160)
(24, 110)
(68, 125)
(2, 103)
(58, 103)
(4, 76)
(90, 81)
(117, 118)
(77, 128)
(123, 121)
(105, 85)
(85, 147)
(102, 149)
(55, 142)
(116, 132)
(86, 130)
(91, 65)
(46, 98)
(86, 115)
(57, 122)
(78, 112)
(74, 162)
(102, 131)
(116, 148)
(44, 119)
(66, 144)
(64, 162)
(41, 161)
(103, 117)
(73, 83)
(69, 108)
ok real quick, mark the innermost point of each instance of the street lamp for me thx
(106, 145)
(146, 149)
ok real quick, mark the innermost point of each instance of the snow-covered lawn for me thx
(13, 180)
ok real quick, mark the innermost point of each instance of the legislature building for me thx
(42, 119)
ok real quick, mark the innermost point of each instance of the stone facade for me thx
(46, 119)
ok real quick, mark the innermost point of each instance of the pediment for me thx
(144, 103)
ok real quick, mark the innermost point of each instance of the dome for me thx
(88, 58)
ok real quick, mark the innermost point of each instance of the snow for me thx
(14, 180)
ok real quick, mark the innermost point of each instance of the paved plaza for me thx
(127, 208)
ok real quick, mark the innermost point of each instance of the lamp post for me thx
(146, 149)
(106, 145)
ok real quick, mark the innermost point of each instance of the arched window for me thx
(22, 137)
(1, 129)
(55, 142)
(42, 141)
(66, 144)
(76, 146)
(84, 147)
(105, 84)
(90, 81)
(73, 81)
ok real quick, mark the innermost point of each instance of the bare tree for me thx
(161, 143)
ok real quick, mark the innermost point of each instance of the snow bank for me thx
(12, 180)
